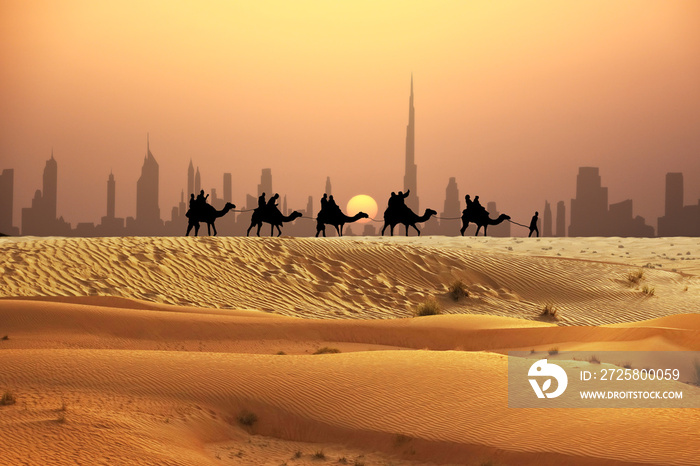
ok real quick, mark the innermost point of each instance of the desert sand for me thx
(165, 350)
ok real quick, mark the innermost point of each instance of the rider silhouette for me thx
(272, 203)
(478, 208)
(332, 206)
(261, 201)
(201, 199)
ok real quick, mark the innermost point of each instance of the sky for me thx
(511, 97)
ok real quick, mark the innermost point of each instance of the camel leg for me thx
(478, 227)
(249, 228)
(272, 230)
(213, 225)
(189, 228)
(485, 226)
(416, 228)
(406, 227)
(279, 230)
(339, 230)
(208, 229)
(259, 227)
(385, 225)
(391, 230)
(464, 228)
(196, 228)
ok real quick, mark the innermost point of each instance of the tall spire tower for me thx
(410, 178)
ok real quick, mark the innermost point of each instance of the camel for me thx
(405, 216)
(274, 218)
(480, 221)
(337, 219)
(208, 215)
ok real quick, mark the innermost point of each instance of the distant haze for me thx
(510, 98)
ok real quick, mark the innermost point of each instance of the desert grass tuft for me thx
(549, 312)
(648, 290)
(428, 308)
(594, 359)
(298, 454)
(280, 353)
(553, 351)
(7, 337)
(458, 290)
(319, 455)
(327, 350)
(8, 398)
(246, 418)
(633, 278)
(61, 419)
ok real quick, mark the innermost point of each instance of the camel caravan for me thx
(397, 212)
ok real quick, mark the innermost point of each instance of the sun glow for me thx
(362, 203)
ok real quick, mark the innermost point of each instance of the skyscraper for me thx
(110, 225)
(50, 191)
(197, 183)
(592, 216)
(111, 195)
(561, 219)
(328, 190)
(265, 185)
(451, 209)
(678, 220)
(589, 211)
(227, 187)
(410, 179)
(40, 219)
(6, 202)
(147, 208)
(547, 222)
(190, 179)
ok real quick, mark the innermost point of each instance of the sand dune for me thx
(348, 278)
(148, 350)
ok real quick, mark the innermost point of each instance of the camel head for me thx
(362, 215)
(430, 212)
(503, 217)
(230, 206)
(294, 215)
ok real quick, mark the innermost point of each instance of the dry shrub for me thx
(429, 308)
(327, 350)
(458, 290)
(246, 418)
(8, 398)
(549, 312)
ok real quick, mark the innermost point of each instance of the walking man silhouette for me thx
(533, 225)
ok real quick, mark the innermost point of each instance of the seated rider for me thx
(469, 202)
(478, 208)
(332, 206)
(272, 203)
(201, 199)
(261, 201)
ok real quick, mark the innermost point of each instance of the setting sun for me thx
(362, 203)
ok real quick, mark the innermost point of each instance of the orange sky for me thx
(511, 98)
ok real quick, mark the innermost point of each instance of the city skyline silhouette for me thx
(511, 111)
